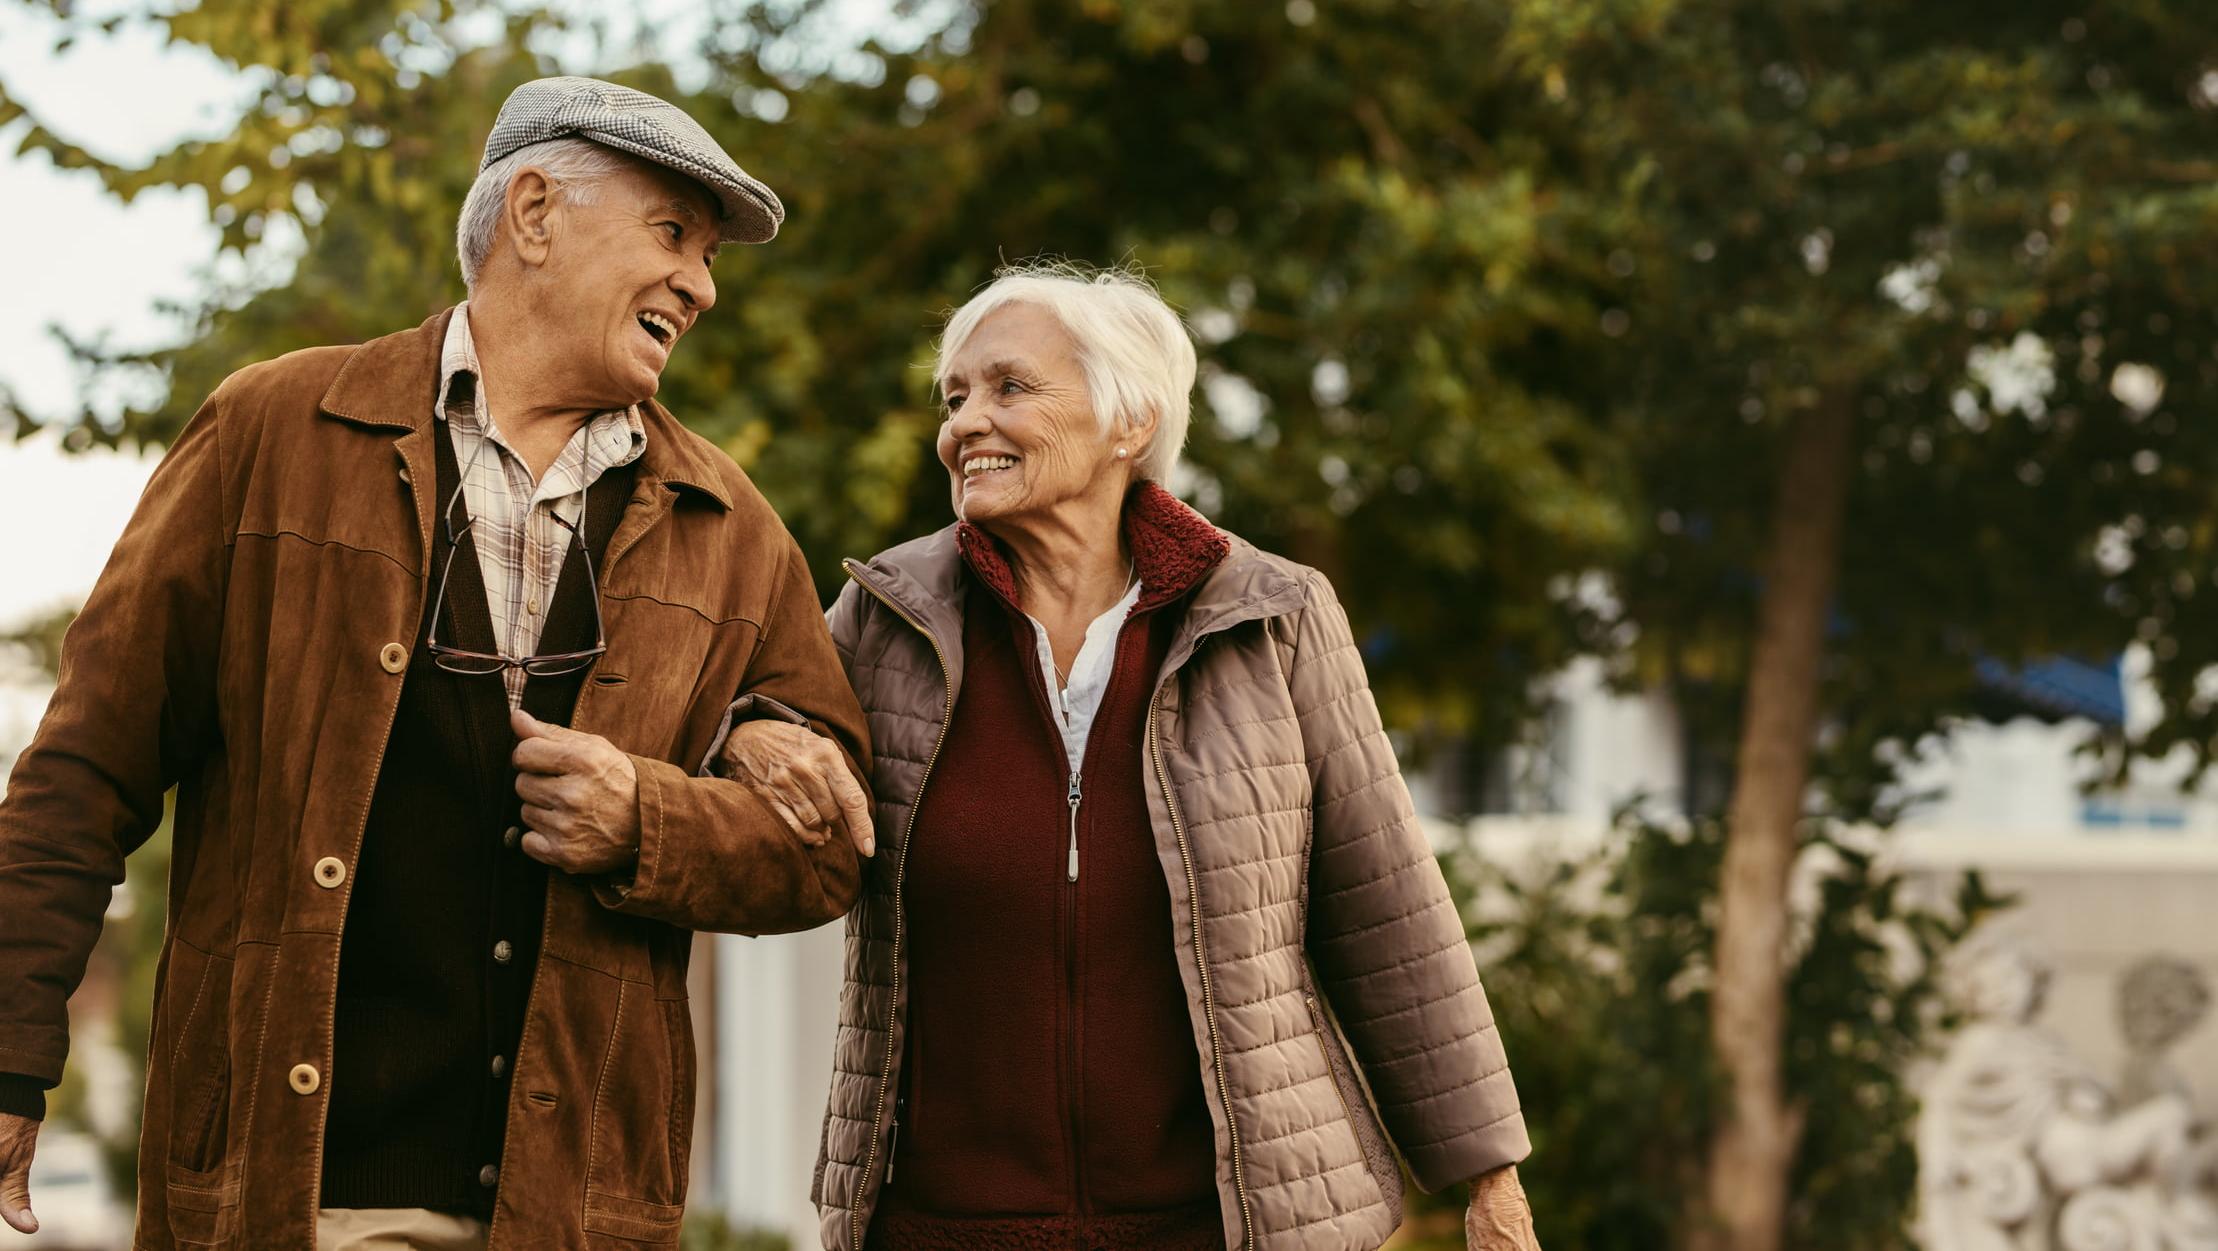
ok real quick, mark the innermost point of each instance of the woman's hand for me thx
(803, 777)
(1499, 1218)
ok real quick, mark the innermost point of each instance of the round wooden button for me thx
(305, 1079)
(330, 872)
(394, 658)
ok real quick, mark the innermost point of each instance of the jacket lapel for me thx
(1246, 586)
(392, 383)
(924, 580)
(674, 462)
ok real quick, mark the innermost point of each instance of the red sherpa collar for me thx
(1173, 548)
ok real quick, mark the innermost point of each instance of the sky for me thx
(80, 258)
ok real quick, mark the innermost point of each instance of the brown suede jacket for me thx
(246, 644)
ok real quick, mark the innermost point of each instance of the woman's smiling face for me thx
(1021, 434)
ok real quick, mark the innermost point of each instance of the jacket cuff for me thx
(1471, 1154)
(22, 1096)
(748, 707)
(615, 889)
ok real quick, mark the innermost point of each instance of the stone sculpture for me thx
(2021, 1147)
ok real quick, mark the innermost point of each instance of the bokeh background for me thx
(1766, 448)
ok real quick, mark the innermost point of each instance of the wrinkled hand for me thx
(581, 797)
(1499, 1219)
(803, 777)
(18, 1136)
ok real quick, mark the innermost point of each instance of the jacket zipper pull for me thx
(1071, 873)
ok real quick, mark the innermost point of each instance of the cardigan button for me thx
(330, 871)
(512, 838)
(394, 658)
(502, 951)
(488, 1176)
(304, 1079)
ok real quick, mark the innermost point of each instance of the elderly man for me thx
(432, 635)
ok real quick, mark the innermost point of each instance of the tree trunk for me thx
(1752, 1155)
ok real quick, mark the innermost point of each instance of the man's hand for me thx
(803, 776)
(18, 1136)
(1499, 1219)
(581, 797)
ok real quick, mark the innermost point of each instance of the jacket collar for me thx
(393, 383)
(1172, 547)
(926, 578)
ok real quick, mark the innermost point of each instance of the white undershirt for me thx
(1080, 699)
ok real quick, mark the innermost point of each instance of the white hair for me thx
(575, 166)
(1138, 358)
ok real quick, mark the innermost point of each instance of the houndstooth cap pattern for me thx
(648, 128)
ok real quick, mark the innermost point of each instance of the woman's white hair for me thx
(1137, 355)
(575, 165)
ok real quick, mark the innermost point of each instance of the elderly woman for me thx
(1159, 956)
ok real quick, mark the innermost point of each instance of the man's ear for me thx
(528, 213)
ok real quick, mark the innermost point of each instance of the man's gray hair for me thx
(576, 166)
(1137, 355)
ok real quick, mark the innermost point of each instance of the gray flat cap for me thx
(648, 128)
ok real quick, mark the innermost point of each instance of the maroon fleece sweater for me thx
(1052, 1094)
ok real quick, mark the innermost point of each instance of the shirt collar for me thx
(616, 437)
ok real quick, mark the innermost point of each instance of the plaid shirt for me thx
(520, 547)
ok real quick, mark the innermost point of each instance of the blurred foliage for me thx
(1978, 230)
(39, 639)
(710, 1230)
(1599, 970)
(1490, 295)
(1394, 307)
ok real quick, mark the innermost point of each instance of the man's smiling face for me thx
(626, 277)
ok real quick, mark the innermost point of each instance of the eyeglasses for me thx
(554, 664)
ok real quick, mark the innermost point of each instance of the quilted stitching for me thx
(1301, 831)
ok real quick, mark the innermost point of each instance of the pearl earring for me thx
(1121, 453)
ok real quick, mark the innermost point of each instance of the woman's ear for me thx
(528, 213)
(1134, 438)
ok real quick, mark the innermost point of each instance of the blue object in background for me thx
(2058, 688)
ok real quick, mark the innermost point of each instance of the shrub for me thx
(1599, 968)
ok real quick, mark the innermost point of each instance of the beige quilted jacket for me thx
(1303, 894)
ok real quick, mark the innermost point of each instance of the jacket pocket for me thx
(198, 1053)
(1377, 1155)
(642, 1133)
(203, 1205)
(633, 1220)
(191, 1087)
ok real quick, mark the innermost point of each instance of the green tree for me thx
(1888, 265)
(1392, 306)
